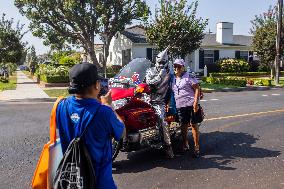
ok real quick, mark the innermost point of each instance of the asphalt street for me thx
(242, 146)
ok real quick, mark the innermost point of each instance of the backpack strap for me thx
(90, 124)
(52, 131)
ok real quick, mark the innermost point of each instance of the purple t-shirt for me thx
(184, 93)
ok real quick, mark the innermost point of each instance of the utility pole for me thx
(278, 41)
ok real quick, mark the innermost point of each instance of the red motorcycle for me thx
(131, 101)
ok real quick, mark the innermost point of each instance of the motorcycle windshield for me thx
(135, 70)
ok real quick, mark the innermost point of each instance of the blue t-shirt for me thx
(73, 116)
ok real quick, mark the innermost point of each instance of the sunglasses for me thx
(177, 66)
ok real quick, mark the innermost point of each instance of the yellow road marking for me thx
(244, 115)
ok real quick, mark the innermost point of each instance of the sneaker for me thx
(169, 152)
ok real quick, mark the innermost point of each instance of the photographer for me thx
(84, 109)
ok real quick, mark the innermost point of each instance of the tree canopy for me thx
(264, 30)
(76, 23)
(177, 26)
(11, 46)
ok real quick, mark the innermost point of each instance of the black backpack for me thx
(76, 169)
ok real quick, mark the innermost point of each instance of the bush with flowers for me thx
(52, 73)
(233, 65)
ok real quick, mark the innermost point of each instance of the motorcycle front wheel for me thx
(116, 146)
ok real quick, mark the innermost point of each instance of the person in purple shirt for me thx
(186, 91)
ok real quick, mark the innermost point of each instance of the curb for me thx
(239, 89)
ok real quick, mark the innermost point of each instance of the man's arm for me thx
(153, 79)
(117, 124)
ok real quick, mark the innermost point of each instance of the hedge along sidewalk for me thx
(26, 89)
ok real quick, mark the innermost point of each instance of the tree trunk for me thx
(106, 53)
(272, 71)
(92, 54)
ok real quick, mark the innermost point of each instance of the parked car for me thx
(24, 68)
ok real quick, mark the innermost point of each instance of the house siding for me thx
(139, 52)
(224, 53)
(117, 44)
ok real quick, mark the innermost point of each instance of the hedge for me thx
(225, 81)
(54, 79)
(235, 81)
(248, 74)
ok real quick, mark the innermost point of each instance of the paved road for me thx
(243, 151)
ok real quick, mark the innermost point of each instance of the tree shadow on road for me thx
(220, 150)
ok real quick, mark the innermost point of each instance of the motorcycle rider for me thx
(158, 78)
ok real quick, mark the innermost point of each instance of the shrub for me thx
(233, 65)
(51, 70)
(254, 66)
(54, 79)
(53, 74)
(245, 74)
(211, 68)
(225, 81)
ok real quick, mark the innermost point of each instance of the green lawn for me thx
(10, 85)
(56, 92)
(207, 86)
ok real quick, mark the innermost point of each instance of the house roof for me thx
(238, 40)
(136, 34)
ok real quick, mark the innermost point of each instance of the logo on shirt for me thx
(75, 117)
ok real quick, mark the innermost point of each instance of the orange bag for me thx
(40, 179)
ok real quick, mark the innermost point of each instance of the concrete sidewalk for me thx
(26, 89)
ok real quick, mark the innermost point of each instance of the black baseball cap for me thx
(83, 75)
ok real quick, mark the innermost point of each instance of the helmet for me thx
(162, 57)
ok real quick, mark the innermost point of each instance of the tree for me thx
(33, 58)
(116, 15)
(78, 22)
(177, 26)
(11, 46)
(264, 30)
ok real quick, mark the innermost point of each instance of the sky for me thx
(240, 12)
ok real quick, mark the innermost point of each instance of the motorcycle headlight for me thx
(119, 103)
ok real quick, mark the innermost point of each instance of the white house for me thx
(132, 43)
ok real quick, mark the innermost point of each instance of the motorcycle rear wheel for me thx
(116, 146)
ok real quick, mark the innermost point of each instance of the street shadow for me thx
(219, 150)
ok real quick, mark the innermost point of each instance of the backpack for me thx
(76, 169)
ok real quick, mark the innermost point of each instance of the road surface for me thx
(242, 145)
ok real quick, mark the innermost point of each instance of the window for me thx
(244, 55)
(208, 57)
(149, 53)
(155, 54)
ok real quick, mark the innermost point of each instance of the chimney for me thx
(224, 33)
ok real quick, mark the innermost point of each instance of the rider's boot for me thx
(169, 151)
